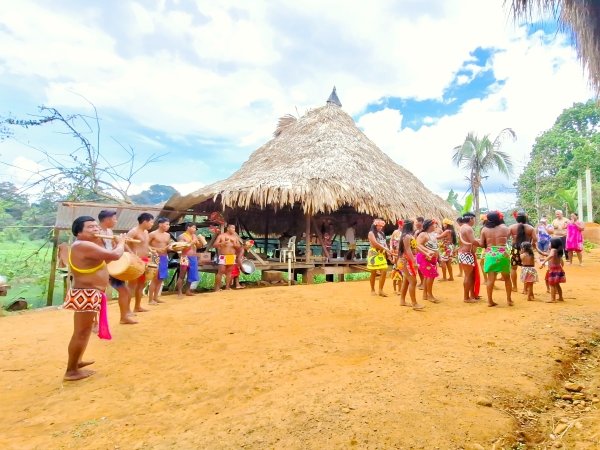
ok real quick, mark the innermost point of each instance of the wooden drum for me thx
(127, 268)
(151, 271)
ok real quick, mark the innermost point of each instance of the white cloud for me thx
(225, 71)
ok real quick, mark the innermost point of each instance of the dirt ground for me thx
(320, 366)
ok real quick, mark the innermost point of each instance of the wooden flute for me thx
(105, 236)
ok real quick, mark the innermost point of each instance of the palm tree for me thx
(580, 18)
(480, 156)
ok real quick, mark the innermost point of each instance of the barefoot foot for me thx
(75, 375)
(128, 321)
(153, 303)
(140, 309)
(492, 304)
(382, 294)
(418, 307)
(84, 363)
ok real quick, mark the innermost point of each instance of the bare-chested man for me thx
(466, 257)
(108, 220)
(494, 236)
(188, 263)
(520, 232)
(142, 249)
(228, 245)
(159, 240)
(87, 259)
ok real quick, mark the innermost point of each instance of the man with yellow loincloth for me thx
(494, 236)
(87, 259)
(142, 249)
(228, 246)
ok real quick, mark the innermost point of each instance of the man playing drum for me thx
(87, 259)
(141, 249)
(108, 220)
(188, 260)
(228, 245)
(159, 240)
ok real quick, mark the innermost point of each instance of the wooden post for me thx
(588, 191)
(580, 198)
(307, 218)
(266, 240)
(52, 277)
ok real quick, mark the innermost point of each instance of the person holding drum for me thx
(159, 241)
(108, 220)
(228, 246)
(188, 259)
(87, 260)
(141, 249)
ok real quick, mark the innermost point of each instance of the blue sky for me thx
(204, 82)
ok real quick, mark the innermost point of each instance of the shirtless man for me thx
(86, 297)
(108, 220)
(159, 240)
(140, 233)
(228, 246)
(560, 228)
(494, 237)
(520, 232)
(188, 262)
(466, 257)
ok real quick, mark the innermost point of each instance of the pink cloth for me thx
(427, 267)
(103, 331)
(574, 238)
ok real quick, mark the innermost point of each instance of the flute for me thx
(105, 236)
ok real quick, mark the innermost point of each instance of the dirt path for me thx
(321, 366)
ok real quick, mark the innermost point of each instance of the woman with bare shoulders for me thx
(427, 258)
(406, 258)
(377, 256)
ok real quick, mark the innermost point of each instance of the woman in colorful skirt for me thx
(406, 258)
(556, 274)
(575, 238)
(427, 258)
(377, 256)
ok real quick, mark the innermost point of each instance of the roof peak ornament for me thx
(333, 99)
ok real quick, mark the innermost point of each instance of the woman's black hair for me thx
(407, 228)
(452, 233)
(493, 219)
(521, 219)
(527, 248)
(79, 223)
(427, 224)
(557, 244)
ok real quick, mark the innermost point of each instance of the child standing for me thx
(555, 274)
(528, 273)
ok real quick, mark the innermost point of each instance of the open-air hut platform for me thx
(320, 165)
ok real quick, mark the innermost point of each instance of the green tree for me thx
(559, 157)
(453, 200)
(481, 156)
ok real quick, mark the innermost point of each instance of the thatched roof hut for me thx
(318, 164)
(581, 18)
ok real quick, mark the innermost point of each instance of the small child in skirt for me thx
(529, 274)
(556, 274)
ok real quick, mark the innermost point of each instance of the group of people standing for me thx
(418, 247)
(96, 245)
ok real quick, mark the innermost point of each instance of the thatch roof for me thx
(323, 162)
(581, 18)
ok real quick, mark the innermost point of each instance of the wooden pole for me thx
(588, 191)
(580, 198)
(266, 241)
(307, 218)
(52, 277)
